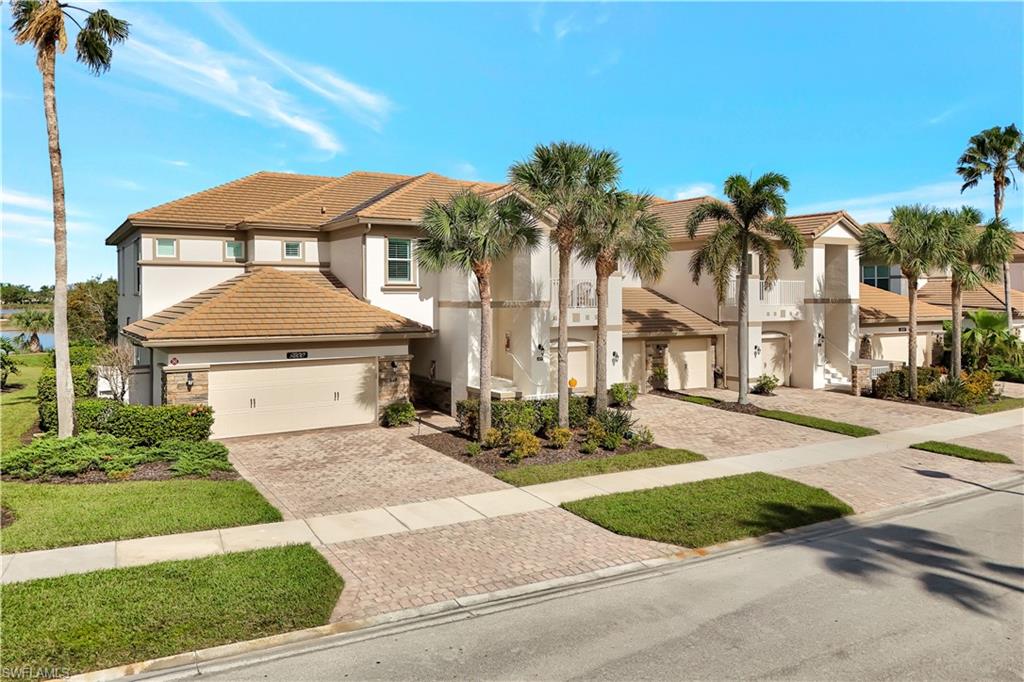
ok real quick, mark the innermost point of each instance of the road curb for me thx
(228, 656)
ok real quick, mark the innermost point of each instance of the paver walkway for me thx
(338, 529)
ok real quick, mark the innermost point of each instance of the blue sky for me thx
(862, 105)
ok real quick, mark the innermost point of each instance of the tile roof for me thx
(645, 312)
(320, 204)
(407, 200)
(1018, 246)
(988, 296)
(674, 215)
(271, 303)
(879, 306)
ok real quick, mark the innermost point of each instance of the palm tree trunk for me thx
(743, 324)
(65, 391)
(564, 256)
(1007, 303)
(484, 285)
(912, 338)
(34, 345)
(958, 326)
(603, 271)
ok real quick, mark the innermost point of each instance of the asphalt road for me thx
(938, 594)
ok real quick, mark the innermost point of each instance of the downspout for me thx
(362, 292)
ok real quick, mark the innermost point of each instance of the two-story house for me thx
(292, 302)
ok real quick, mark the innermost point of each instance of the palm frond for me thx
(782, 230)
(768, 254)
(715, 210)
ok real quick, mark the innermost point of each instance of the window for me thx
(293, 249)
(400, 261)
(234, 250)
(166, 248)
(876, 276)
(137, 252)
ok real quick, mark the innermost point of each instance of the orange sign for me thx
(572, 383)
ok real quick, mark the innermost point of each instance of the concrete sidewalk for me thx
(339, 528)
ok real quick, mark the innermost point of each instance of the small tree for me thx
(917, 241)
(8, 366)
(31, 322)
(622, 231)
(115, 366)
(469, 233)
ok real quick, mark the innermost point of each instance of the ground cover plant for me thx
(78, 623)
(713, 511)
(970, 392)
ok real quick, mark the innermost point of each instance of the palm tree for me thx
(917, 241)
(469, 233)
(753, 220)
(976, 256)
(567, 180)
(988, 336)
(991, 152)
(622, 232)
(30, 322)
(41, 23)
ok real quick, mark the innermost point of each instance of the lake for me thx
(45, 338)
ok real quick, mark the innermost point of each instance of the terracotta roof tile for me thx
(674, 215)
(647, 313)
(879, 306)
(988, 297)
(320, 204)
(407, 201)
(271, 303)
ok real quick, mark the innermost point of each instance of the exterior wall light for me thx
(615, 356)
(757, 351)
(189, 381)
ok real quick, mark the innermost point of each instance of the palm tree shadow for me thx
(870, 553)
(930, 473)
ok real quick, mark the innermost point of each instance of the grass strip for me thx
(818, 423)
(642, 459)
(962, 452)
(57, 515)
(699, 399)
(1000, 405)
(77, 623)
(18, 406)
(712, 511)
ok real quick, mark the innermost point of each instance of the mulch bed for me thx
(453, 444)
(6, 517)
(727, 405)
(937, 405)
(151, 471)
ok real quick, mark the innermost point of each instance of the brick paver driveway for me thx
(312, 473)
(881, 481)
(883, 415)
(717, 433)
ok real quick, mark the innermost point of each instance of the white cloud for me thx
(612, 58)
(177, 60)
(15, 236)
(125, 184)
(698, 189)
(11, 197)
(943, 115)
(464, 170)
(177, 162)
(38, 223)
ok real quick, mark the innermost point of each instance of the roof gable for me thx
(879, 306)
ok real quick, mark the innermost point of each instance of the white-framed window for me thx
(876, 276)
(293, 250)
(166, 248)
(400, 267)
(234, 250)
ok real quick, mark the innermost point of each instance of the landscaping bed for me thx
(973, 393)
(962, 452)
(533, 474)
(713, 511)
(78, 623)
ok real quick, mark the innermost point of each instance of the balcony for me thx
(783, 300)
(582, 293)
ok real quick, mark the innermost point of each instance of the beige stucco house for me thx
(884, 317)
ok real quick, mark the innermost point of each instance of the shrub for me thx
(142, 424)
(515, 415)
(580, 409)
(659, 377)
(595, 430)
(83, 379)
(493, 438)
(529, 415)
(524, 444)
(467, 413)
(611, 441)
(642, 437)
(889, 385)
(766, 384)
(560, 437)
(547, 414)
(473, 449)
(589, 447)
(949, 391)
(79, 354)
(618, 422)
(978, 385)
(399, 413)
(623, 394)
(1007, 372)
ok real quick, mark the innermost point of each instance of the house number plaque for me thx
(297, 355)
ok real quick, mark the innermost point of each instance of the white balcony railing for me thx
(782, 292)
(582, 293)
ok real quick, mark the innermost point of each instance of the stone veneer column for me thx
(392, 381)
(860, 378)
(176, 390)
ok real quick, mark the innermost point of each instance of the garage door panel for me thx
(687, 363)
(272, 398)
(774, 352)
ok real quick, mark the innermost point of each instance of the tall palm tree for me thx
(41, 23)
(31, 321)
(917, 240)
(567, 180)
(622, 232)
(991, 152)
(469, 233)
(976, 256)
(752, 221)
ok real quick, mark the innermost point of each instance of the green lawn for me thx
(78, 623)
(643, 459)
(712, 511)
(18, 410)
(57, 515)
(699, 399)
(962, 452)
(818, 423)
(1000, 405)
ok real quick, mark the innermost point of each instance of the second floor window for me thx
(876, 276)
(293, 249)
(399, 261)
(166, 248)
(234, 250)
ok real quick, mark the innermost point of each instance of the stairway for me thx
(833, 377)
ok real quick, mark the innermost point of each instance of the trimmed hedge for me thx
(535, 416)
(80, 354)
(83, 377)
(142, 424)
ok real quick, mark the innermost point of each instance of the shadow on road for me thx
(930, 473)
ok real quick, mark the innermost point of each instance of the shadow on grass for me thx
(934, 560)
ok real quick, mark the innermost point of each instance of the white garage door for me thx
(893, 347)
(775, 358)
(633, 362)
(249, 399)
(687, 363)
(579, 366)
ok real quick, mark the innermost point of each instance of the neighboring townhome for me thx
(884, 317)
(293, 302)
(937, 291)
(803, 330)
(1017, 263)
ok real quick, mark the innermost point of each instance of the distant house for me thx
(884, 317)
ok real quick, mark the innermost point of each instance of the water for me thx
(45, 338)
